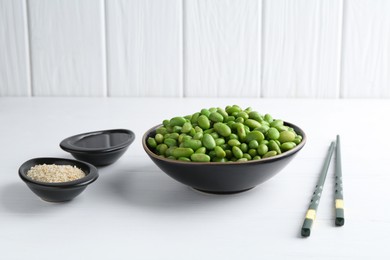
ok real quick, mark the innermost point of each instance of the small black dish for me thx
(61, 191)
(227, 177)
(100, 147)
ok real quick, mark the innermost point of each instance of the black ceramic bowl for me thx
(62, 191)
(100, 147)
(223, 178)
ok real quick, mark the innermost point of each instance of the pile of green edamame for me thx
(223, 135)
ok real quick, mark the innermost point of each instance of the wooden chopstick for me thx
(315, 199)
(339, 200)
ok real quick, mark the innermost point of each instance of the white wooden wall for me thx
(195, 48)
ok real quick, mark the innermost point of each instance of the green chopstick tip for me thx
(305, 232)
(339, 222)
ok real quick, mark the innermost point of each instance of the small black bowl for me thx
(61, 191)
(227, 177)
(100, 147)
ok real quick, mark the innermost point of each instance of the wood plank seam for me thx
(104, 48)
(342, 47)
(28, 48)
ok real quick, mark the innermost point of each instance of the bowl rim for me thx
(67, 143)
(265, 160)
(90, 177)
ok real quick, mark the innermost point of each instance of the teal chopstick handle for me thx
(339, 200)
(339, 203)
(315, 200)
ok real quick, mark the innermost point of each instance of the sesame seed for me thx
(53, 173)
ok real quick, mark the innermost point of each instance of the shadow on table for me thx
(154, 189)
(17, 198)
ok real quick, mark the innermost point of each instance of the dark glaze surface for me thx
(100, 147)
(102, 140)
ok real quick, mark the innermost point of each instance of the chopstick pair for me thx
(315, 199)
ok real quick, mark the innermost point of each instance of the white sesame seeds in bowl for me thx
(57, 179)
(55, 173)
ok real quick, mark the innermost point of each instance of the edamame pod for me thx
(208, 141)
(223, 113)
(234, 142)
(205, 112)
(237, 152)
(161, 130)
(252, 152)
(170, 142)
(159, 138)
(215, 135)
(243, 114)
(262, 149)
(240, 120)
(169, 151)
(184, 159)
(263, 129)
(270, 154)
(186, 127)
(222, 129)
(198, 136)
(152, 142)
(165, 122)
(201, 150)
(219, 152)
(182, 152)
(241, 132)
(217, 159)
(219, 141)
(228, 153)
(281, 128)
(287, 146)
(244, 147)
(177, 129)
(253, 144)
(172, 135)
(200, 157)
(286, 136)
(194, 118)
(177, 121)
(193, 144)
(162, 148)
(276, 123)
(254, 115)
(233, 136)
(198, 129)
(273, 133)
(216, 117)
(247, 156)
(273, 146)
(252, 123)
(230, 119)
(203, 122)
(233, 109)
(254, 135)
(268, 118)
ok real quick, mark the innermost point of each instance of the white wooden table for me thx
(135, 211)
